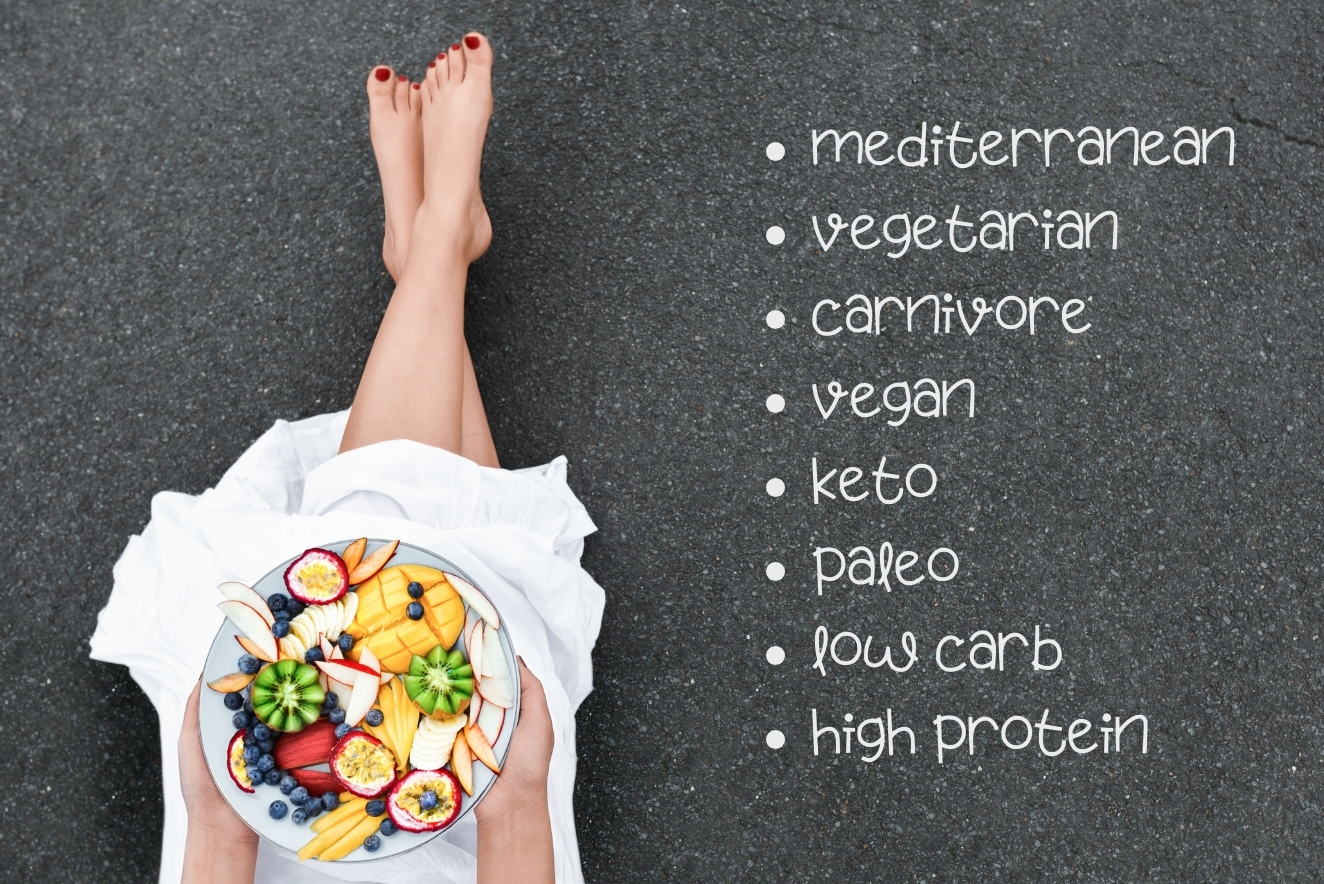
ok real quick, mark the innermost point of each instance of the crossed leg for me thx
(419, 382)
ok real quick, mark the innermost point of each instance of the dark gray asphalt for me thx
(189, 251)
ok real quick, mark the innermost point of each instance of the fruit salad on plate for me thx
(364, 696)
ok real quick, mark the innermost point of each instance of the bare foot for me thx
(394, 107)
(457, 104)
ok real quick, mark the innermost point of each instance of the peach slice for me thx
(228, 684)
(353, 553)
(373, 563)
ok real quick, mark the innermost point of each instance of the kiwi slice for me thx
(440, 682)
(287, 695)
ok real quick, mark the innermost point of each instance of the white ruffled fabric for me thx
(519, 534)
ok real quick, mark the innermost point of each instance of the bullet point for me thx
(775, 487)
(776, 739)
(776, 319)
(776, 235)
(776, 404)
(776, 656)
(775, 571)
(776, 151)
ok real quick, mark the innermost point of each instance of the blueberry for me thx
(252, 754)
(249, 665)
(375, 807)
(276, 601)
(249, 739)
(266, 746)
(299, 795)
(295, 607)
(387, 828)
(277, 809)
(288, 784)
(313, 807)
(313, 655)
(248, 706)
(374, 717)
(233, 702)
(342, 729)
(427, 800)
(265, 762)
(346, 642)
(299, 816)
(272, 777)
(330, 800)
(280, 628)
(415, 590)
(261, 731)
(239, 720)
(414, 611)
(331, 701)
(281, 615)
(371, 843)
(336, 715)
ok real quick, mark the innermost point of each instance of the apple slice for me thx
(228, 684)
(482, 750)
(252, 648)
(462, 763)
(386, 677)
(497, 688)
(474, 645)
(353, 553)
(369, 659)
(345, 671)
(240, 592)
(490, 721)
(252, 625)
(491, 638)
(373, 563)
(475, 708)
(325, 646)
(474, 597)
(361, 698)
(336, 653)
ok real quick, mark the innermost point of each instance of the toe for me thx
(438, 72)
(477, 56)
(380, 87)
(402, 90)
(455, 58)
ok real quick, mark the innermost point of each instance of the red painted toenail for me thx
(455, 47)
(416, 86)
(402, 78)
(432, 64)
(383, 74)
(442, 57)
(472, 42)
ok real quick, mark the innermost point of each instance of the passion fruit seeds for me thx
(287, 695)
(362, 764)
(318, 577)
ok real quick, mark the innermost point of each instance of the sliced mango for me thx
(380, 623)
(351, 840)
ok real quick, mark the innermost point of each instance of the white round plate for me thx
(217, 729)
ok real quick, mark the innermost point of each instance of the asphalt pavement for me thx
(189, 251)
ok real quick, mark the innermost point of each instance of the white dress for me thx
(518, 533)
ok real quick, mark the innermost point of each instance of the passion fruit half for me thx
(362, 764)
(318, 577)
(405, 803)
(235, 764)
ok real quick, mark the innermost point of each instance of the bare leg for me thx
(409, 388)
